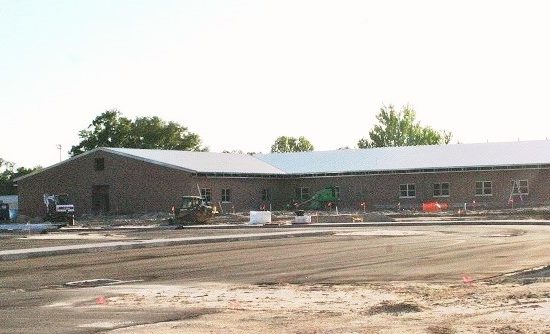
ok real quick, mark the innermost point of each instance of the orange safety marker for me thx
(101, 300)
(468, 280)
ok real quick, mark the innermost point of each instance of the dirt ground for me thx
(392, 279)
(393, 307)
(478, 213)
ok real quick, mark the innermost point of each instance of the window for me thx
(336, 192)
(484, 188)
(99, 164)
(226, 195)
(266, 195)
(407, 190)
(441, 189)
(206, 193)
(302, 194)
(520, 187)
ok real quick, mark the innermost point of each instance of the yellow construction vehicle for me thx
(192, 209)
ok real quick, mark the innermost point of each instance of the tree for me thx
(154, 133)
(291, 144)
(111, 129)
(402, 129)
(8, 173)
(240, 152)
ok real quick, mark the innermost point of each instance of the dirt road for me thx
(351, 281)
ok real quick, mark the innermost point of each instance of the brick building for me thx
(117, 180)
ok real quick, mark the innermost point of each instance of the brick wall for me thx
(134, 186)
(138, 186)
(382, 191)
(245, 193)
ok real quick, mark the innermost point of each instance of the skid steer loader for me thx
(59, 209)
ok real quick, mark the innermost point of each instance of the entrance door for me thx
(100, 199)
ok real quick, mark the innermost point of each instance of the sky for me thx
(242, 73)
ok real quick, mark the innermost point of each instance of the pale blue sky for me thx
(241, 73)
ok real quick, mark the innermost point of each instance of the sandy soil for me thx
(382, 280)
(396, 307)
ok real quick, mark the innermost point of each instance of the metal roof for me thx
(412, 157)
(395, 159)
(201, 162)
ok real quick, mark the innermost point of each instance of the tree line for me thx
(112, 129)
(8, 173)
(394, 128)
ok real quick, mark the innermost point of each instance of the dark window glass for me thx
(226, 195)
(99, 164)
(206, 193)
(520, 187)
(266, 195)
(484, 188)
(441, 189)
(301, 194)
(407, 190)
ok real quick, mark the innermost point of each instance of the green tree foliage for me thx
(8, 173)
(402, 129)
(111, 129)
(291, 144)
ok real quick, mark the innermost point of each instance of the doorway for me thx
(100, 199)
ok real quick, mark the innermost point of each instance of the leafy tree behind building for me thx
(111, 129)
(8, 173)
(285, 144)
(400, 128)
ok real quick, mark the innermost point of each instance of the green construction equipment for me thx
(325, 198)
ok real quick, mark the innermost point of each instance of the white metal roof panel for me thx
(412, 157)
(343, 161)
(201, 162)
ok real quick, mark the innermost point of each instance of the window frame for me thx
(337, 192)
(517, 191)
(483, 188)
(206, 194)
(266, 194)
(301, 191)
(441, 194)
(226, 195)
(407, 190)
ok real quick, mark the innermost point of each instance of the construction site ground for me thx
(366, 279)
